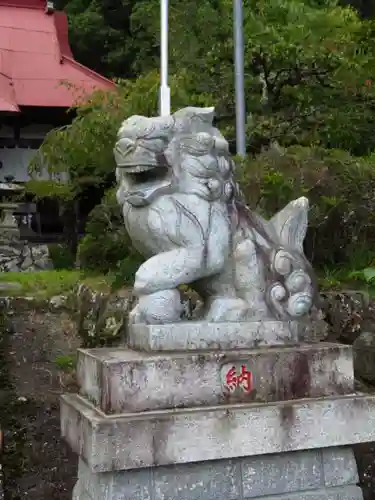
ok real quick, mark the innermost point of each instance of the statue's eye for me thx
(125, 147)
(154, 145)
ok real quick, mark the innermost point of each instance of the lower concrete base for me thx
(321, 474)
(137, 440)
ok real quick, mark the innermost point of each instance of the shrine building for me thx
(39, 82)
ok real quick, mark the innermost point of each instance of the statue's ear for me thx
(291, 222)
(205, 115)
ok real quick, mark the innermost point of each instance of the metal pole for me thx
(239, 77)
(164, 91)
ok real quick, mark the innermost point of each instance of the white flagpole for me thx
(164, 91)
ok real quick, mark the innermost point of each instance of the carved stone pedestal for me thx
(254, 423)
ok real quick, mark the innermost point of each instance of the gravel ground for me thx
(37, 464)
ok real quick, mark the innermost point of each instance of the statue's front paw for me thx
(301, 293)
(299, 304)
(135, 315)
(143, 284)
(158, 308)
(294, 298)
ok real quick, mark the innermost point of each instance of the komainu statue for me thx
(184, 212)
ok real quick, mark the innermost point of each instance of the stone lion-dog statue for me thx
(184, 213)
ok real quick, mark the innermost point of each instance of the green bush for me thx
(125, 272)
(61, 257)
(106, 243)
(340, 189)
(66, 363)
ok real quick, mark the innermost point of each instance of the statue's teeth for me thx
(138, 169)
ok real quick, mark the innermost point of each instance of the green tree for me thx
(306, 63)
(312, 65)
(99, 33)
(309, 63)
(365, 8)
(82, 152)
(108, 36)
(200, 46)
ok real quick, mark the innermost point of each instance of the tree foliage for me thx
(309, 81)
(340, 191)
(83, 150)
(100, 34)
(308, 63)
(306, 66)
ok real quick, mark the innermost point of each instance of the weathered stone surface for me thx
(298, 471)
(346, 313)
(27, 263)
(210, 480)
(340, 493)
(185, 214)
(17, 255)
(364, 356)
(284, 473)
(102, 315)
(278, 476)
(131, 440)
(316, 329)
(119, 380)
(8, 251)
(11, 286)
(339, 466)
(193, 335)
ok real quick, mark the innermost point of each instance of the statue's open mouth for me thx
(143, 175)
(145, 171)
(145, 181)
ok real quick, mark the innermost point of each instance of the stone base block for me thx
(119, 380)
(195, 335)
(138, 440)
(322, 474)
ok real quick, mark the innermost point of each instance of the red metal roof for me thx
(37, 67)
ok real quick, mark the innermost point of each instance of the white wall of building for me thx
(15, 161)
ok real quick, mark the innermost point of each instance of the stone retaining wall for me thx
(322, 474)
(17, 255)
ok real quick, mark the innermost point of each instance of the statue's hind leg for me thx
(223, 309)
(221, 300)
(237, 293)
(157, 308)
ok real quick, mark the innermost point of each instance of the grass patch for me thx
(66, 363)
(339, 279)
(46, 284)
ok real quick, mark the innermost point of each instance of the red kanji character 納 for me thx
(231, 379)
(245, 379)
